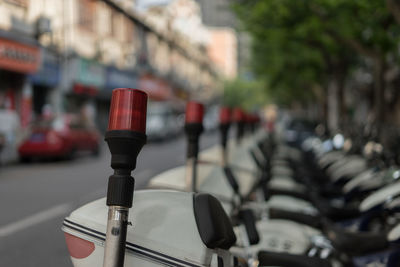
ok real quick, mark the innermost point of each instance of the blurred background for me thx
(334, 62)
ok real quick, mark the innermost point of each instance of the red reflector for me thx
(224, 115)
(194, 112)
(128, 110)
(78, 248)
(238, 115)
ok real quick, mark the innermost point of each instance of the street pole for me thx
(239, 119)
(125, 138)
(193, 129)
(224, 124)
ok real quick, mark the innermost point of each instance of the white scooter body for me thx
(163, 232)
(277, 235)
(381, 196)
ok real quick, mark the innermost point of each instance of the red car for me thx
(60, 137)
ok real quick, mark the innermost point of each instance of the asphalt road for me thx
(35, 198)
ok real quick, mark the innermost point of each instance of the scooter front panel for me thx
(380, 197)
(163, 231)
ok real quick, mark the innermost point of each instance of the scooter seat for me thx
(299, 217)
(214, 226)
(289, 260)
(277, 191)
(335, 213)
(356, 243)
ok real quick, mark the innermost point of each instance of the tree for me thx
(293, 52)
(298, 44)
(247, 94)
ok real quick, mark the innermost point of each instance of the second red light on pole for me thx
(193, 129)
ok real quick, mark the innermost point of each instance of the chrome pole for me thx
(191, 174)
(114, 249)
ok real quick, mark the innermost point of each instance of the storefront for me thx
(17, 60)
(157, 89)
(85, 80)
(19, 57)
(45, 83)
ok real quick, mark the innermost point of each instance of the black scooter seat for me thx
(289, 260)
(335, 213)
(299, 217)
(356, 243)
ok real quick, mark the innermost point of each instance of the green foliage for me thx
(301, 44)
(250, 95)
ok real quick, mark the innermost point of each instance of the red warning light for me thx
(194, 112)
(224, 115)
(238, 115)
(249, 118)
(128, 110)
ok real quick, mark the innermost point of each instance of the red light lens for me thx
(78, 248)
(194, 112)
(248, 117)
(224, 115)
(238, 115)
(128, 110)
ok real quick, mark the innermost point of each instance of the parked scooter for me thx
(171, 228)
(356, 237)
(220, 181)
(166, 228)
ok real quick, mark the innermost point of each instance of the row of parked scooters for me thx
(251, 200)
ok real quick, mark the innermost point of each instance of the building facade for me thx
(66, 56)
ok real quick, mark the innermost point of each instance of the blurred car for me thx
(162, 122)
(211, 118)
(60, 137)
(298, 130)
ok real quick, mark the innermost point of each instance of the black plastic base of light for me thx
(124, 146)
(193, 132)
(120, 190)
(224, 129)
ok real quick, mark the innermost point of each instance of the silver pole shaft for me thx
(191, 175)
(224, 156)
(114, 250)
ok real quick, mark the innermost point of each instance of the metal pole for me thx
(125, 137)
(114, 250)
(191, 174)
(224, 157)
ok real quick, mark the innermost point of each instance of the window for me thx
(114, 22)
(129, 30)
(86, 14)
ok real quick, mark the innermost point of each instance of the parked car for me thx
(162, 121)
(211, 118)
(60, 137)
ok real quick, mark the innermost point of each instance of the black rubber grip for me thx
(249, 221)
(193, 131)
(120, 190)
(232, 180)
